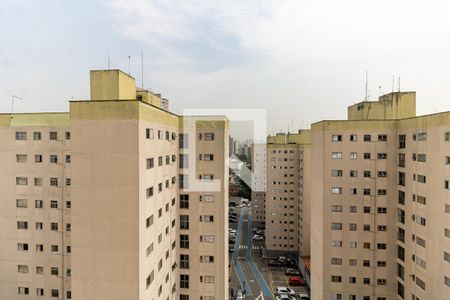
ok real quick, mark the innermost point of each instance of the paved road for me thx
(246, 266)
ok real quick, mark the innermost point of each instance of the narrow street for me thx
(246, 261)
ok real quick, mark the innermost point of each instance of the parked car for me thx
(285, 297)
(231, 248)
(296, 281)
(249, 204)
(282, 259)
(274, 263)
(231, 220)
(282, 290)
(303, 297)
(239, 295)
(292, 272)
(257, 238)
(231, 240)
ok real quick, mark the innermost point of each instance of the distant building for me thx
(258, 184)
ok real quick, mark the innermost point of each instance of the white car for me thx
(282, 290)
(285, 297)
(257, 238)
(303, 297)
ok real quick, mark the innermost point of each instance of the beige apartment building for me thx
(287, 196)
(117, 199)
(380, 203)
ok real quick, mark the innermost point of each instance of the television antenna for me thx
(14, 97)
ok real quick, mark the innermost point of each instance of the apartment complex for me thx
(287, 195)
(117, 199)
(259, 184)
(380, 203)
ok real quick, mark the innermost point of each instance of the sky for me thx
(301, 60)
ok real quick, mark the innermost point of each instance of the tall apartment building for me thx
(117, 199)
(258, 187)
(380, 203)
(287, 196)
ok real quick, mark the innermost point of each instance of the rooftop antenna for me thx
(109, 63)
(129, 64)
(393, 80)
(399, 84)
(379, 88)
(142, 69)
(367, 86)
(14, 97)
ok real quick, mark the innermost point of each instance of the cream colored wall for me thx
(219, 228)
(105, 213)
(435, 170)
(305, 180)
(10, 257)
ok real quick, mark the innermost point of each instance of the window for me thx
(336, 226)
(353, 137)
(353, 155)
(447, 160)
(38, 204)
(207, 259)
(207, 238)
(38, 158)
(352, 262)
(54, 226)
(447, 184)
(336, 261)
(68, 181)
(366, 280)
(184, 201)
(336, 208)
(149, 279)
(381, 246)
(183, 141)
(381, 192)
(335, 278)
(207, 177)
(167, 159)
(207, 279)
(54, 159)
(22, 268)
(382, 155)
(23, 290)
(447, 136)
(149, 134)
(381, 210)
(208, 157)
(167, 135)
(21, 135)
(21, 181)
(184, 281)
(352, 227)
(367, 155)
(53, 248)
(53, 181)
(150, 163)
(37, 136)
(184, 161)
(149, 221)
(54, 271)
(420, 283)
(402, 141)
(353, 173)
(336, 173)
(55, 293)
(22, 203)
(184, 222)
(209, 136)
(160, 161)
(401, 179)
(37, 181)
(353, 209)
(336, 138)
(149, 249)
(53, 135)
(21, 158)
(183, 181)
(207, 218)
(184, 261)
(53, 204)
(382, 137)
(207, 198)
(22, 225)
(39, 292)
(149, 192)
(367, 138)
(421, 178)
(382, 174)
(336, 244)
(184, 241)
(336, 190)
(336, 155)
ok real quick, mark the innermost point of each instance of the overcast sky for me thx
(302, 60)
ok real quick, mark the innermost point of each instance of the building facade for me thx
(380, 223)
(287, 202)
(259, 184)
(117, 199)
